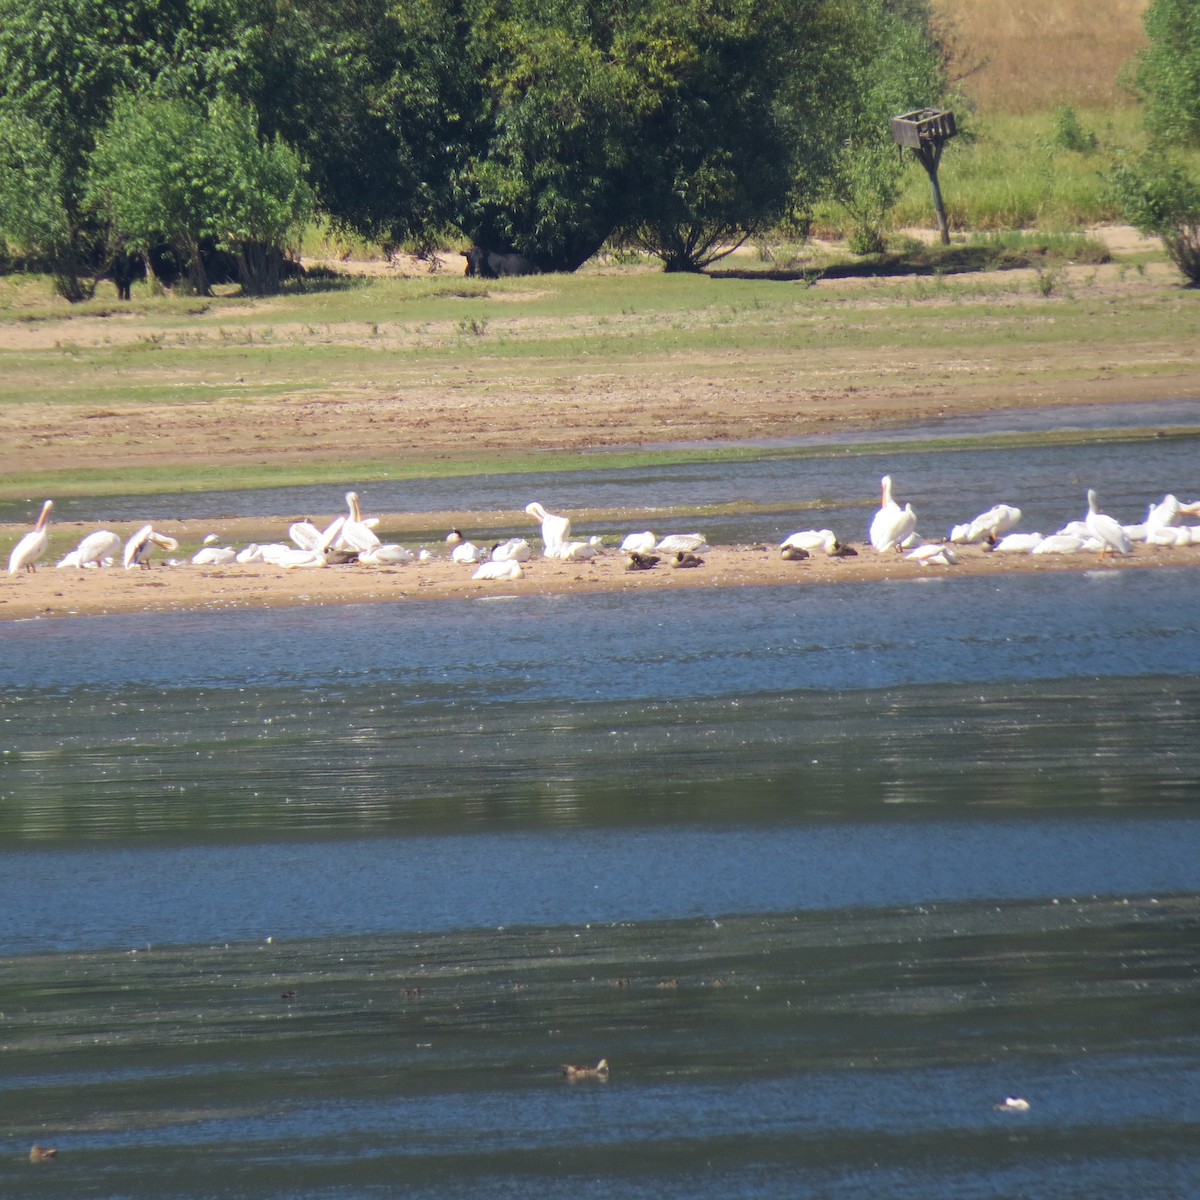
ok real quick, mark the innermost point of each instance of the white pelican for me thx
(1168, 535)
(321, 556)
(506, 568)
(576, 551)
(386, 553)
(514, 550)
(356, 534)
(812, 540)
(32, 546)
(97, 549)
(468, 552)
(214, 556)
(1165, 512)
(1059, 543)
(1013, 1104)
(639, 543)
(892, 527)
(555, 529)
(1105, 529)
(1018, 543)
(689, 543)
(934, 555)
(305, 534)
(141, 546)
(892, 524)
(998, 520)
(253, 553)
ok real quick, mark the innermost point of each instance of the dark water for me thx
(825, 876)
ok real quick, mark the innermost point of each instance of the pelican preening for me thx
(101, 548)
(26, 553)
(555, 529)
(140, 547)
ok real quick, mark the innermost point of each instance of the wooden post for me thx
(925, 132)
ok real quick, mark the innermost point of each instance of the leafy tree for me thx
(169, 170)
(1159, 193)
(732, 84)
(64, 63)
(1161, 196)
(896, 66)
(1167, 72)
(545, 174)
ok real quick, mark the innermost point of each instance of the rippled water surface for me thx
(314, 903)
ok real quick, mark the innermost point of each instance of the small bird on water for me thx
(39, 1154)
(599, 1071)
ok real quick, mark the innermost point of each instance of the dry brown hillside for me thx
(1026, 55)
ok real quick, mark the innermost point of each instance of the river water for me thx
(314, 903)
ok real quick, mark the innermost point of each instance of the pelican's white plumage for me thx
(688, 543)
(1059, 543)
(639, 543)
(892, 525)
(555, 529)
(468, 552)
(994, 523)
(1018, 543)
(356, 534)
(93, 550)
(812, 540)
(142, 545)
(214, 556)
(514, 550)
(320, 556)
(386, 554)
(1105, 529)
(505, 568)
(577, 551)
(935, 555)
(305, 534)
(26, 553)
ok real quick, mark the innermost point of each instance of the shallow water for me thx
(837, 488)
(824, 874)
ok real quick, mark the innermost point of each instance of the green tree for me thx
(732, 86)
(1167, 72)
(1161, 196)
(64, 63)
(895, 65)
(168, 170)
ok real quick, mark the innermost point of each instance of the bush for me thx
(1161, 196)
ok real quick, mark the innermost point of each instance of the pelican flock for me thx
(351, 538)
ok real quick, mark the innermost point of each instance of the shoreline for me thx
(53, 593)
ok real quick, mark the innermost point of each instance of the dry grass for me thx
(1033, 55)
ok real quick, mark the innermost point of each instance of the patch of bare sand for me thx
(61, 593)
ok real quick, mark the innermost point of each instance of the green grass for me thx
(1042, 170)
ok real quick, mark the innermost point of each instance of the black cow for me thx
(490, 264)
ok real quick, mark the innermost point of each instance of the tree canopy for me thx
(539, 126)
